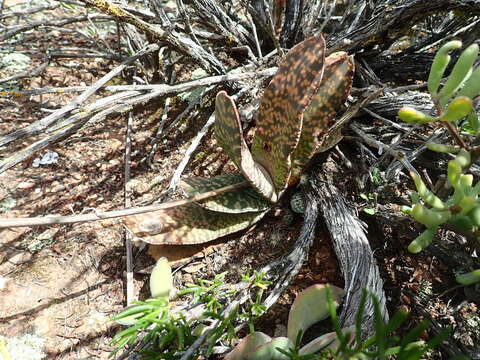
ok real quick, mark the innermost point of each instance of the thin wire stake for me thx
(128, 203)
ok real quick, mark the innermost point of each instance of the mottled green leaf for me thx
(188, 224)
(238, 201)
(279, 121)
(228, 130)
(319, 115)
(229, 136)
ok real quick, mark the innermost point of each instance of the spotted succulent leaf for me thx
(238, 201)
(188, 224)
(228, 132)
(319, 115)
(279, 121)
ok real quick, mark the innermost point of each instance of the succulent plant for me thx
(309, 307)
(296, 112)
(453, 103)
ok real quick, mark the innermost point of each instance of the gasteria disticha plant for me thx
(294, 120)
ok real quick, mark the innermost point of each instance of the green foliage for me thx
(384, 343)
(454, 105)
(309, 307)
(439, 65)
(454, 100)
(370, 199)
(469, 278)
(343, 343)
(208, 292)
(168, 332)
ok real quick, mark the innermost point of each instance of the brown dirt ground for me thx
(64, 282)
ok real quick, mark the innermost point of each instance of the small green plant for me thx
(168, 332)
(142, 314)
(454, 108)
(309, 307)
(384, 343)
(318, 302)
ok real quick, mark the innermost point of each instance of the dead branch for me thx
(29, 11)
(352, 248)
(381, 23)
(9, 32)
(178, 41)
(191, 149)
(40, 125)
(91, 114)
(100, 215)
(234, 75)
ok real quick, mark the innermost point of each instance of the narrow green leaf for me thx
(472, 86)
(454, 170)
(440, 63)
(410, 115)
(457, 109)
(463, 158)
(442, 148)
(422, 241)
(460, 73)
(429, 218)
(428, 196)
(469, 278)
(133, 310)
